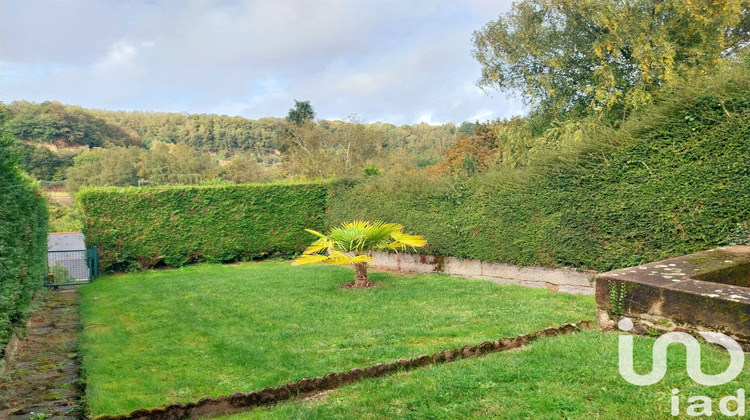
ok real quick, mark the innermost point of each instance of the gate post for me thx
(95, 262)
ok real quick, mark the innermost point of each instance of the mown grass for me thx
(567, 377)
(203, 331)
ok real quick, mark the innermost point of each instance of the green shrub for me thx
(173, 226)
(61, 274)
(740, 235)
(65, 218)
(674, 179)
(23, 241)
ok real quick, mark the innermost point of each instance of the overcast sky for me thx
(397, 61)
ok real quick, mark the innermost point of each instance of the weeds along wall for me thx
(675, 179)
(147, 227)
(23, 242)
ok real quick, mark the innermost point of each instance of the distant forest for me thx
(56, 142)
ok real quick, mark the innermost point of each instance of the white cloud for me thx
(482, 115)
(367, 83)
(429, 119)
(119, 59)
(390, 60)
(231, 108)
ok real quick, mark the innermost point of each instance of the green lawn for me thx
(203, 331)
(567, 377)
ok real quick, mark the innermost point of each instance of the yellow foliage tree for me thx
(606, 55)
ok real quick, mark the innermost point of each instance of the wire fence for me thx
(74, 267)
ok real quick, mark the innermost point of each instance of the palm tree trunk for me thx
(360, 275)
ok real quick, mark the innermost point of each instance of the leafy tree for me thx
(4, 113)
(301, 113)
(467, 127)
(601, 55)
(470, 153)
(352, 144)
(103, 167)
(41, 162)
(65, 125)
(241, 169)
(187, 162)
(173, 164)
(354, 242)
(154, 164)
(325, 149)
(65, 218)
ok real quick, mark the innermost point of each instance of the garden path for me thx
(40, 380)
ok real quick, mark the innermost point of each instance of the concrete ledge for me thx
(697, 292)
(557, 280)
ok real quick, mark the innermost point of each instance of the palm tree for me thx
(353, 243)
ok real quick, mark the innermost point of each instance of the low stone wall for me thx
(239, 401)
(706, 291)
(11, 348)
(9, 353)
(555, 279)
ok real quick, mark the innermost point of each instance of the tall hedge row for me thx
(172, 226)
(23, 241)
(677, 182)
(674, 179)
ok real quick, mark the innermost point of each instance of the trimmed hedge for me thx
(675, 179)
(23, 241)
(173, 226)
(677, 182)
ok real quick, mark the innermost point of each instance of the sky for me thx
(394, 61)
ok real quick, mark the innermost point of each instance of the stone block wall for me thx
(555, 279)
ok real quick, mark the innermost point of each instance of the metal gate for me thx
(72, 267)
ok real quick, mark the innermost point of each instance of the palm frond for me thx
(357, 224)
(347, 235)
(316, 233)
(317, 246)
(377, 234)
(323, 242)
(338, 257)
(309, 259)
(350, 242)
(402, 240)
(361, 258)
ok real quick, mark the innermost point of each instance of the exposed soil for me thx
(352, 286)
(41, 379)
